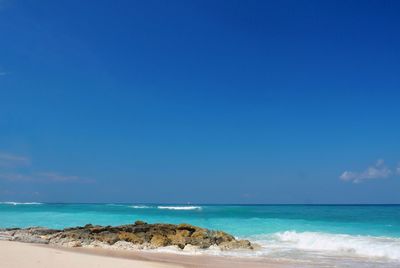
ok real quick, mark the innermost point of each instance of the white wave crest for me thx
(343, 244)
(18, 203)
(139, 206)
(180, 207)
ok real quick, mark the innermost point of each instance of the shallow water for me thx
(342, 236)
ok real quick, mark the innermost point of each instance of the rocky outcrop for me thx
(133, 236)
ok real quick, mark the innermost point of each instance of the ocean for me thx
(305, 235)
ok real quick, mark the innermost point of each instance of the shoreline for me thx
(138, 242)
(45, 255)
(186, 245)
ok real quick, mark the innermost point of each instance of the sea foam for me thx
(19, 203)
(338, 244)
(140, 206)
(180, 207)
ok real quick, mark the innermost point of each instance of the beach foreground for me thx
(35, 256)
(45, 256)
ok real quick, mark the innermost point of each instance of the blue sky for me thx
(200, 101)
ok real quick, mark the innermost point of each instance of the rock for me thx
(180, 238)
(108, 237)
(29, 238)
(190, 248)
(188, 227)
(126, 245)
(6, 234)
(131, 236)
(73, 244)
(159, 241)
(235, 244)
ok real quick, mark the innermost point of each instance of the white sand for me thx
(20, 255)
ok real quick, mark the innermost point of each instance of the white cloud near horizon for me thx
(53, 176)
(16, 177)
(43, 177)
(57, 177)
(17, 168)
(377, 171)
(11, 160)
(398, 169)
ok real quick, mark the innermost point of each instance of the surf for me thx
(331, 244)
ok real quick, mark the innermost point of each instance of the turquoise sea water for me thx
(353, 236)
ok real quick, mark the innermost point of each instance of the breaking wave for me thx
(20, 203)
(338, 244)
(140, 206)
(180, 207)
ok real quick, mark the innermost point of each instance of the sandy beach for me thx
(21, 255)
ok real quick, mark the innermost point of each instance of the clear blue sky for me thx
(200, 101)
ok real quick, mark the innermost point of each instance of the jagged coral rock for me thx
(139, 235)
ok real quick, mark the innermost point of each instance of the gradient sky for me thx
(200, 101)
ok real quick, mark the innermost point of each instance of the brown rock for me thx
(235, 244)
(188, 227)
(130, 237)
(140, 234)
(159, 241)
